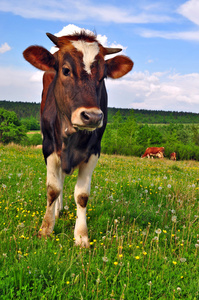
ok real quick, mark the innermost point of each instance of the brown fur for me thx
(82, 200)
(153, 151)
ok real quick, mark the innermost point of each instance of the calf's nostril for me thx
(85, 116)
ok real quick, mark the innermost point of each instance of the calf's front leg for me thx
(81, 194)
(54, 194)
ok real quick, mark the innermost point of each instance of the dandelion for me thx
(160, 188)
(67, 282)
(4, 186)
(105, 259)
(169, 186)
(115, 263)
(158, 231)
(145, 253)
(174, 262)
(182, 259)
(174, 219)
(178, 289)
(121, 255)
(197, 246)
(4, 255)
(149, 283)
(137, 257)
(164, 231)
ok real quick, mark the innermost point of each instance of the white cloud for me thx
(4, 48)
(71, 28)
(186, 35)
(190, 10)
(155, 91)
(19, 85)
(76, 10)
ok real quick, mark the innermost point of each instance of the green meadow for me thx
(143, 221)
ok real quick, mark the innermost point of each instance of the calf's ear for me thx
(118, 66)
(40, 58)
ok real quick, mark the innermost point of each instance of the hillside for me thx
(26, 109)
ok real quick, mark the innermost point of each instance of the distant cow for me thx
(173, 156)
(154, 151)
(73, 117)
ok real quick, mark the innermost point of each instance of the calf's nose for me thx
(90, 118)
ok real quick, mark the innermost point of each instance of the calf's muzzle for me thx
(87, 118)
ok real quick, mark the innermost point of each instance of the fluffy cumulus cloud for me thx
(155, 91)
(190, 10)
(4, 48)
(20, 85)
(71, 28)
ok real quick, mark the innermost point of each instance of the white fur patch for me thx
(89, 50)
(83, 187)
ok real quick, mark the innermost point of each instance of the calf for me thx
(173, 156)
(73, 117)
(154, 151)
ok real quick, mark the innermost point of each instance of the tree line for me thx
(26, 110)
(123, 136)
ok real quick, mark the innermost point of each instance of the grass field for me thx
(143, 227)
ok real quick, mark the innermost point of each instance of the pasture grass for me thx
(143, 227)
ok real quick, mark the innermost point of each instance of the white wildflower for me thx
(174, 219)
(158, 231)
(105, 259)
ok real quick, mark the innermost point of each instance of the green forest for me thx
(26, 110)
(129, 132)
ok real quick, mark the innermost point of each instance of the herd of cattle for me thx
(157, 152)
(74, 117)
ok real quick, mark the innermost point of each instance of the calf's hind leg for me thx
(54, 192)
(82, 192)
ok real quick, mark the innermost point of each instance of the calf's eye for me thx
(66, 71)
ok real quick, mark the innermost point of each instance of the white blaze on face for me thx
(89, 50)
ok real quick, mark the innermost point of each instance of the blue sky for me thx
(161, 37)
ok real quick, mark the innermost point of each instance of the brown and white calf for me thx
(154, 151)
(73, 117)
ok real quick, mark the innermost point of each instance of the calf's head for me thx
(79, 68)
